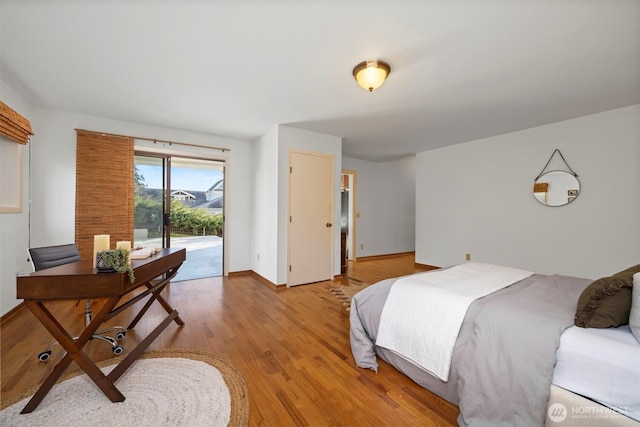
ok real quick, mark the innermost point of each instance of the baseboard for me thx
(376, 257)
(267, 282)
(9, 314)
(239, 273)
(425, 266)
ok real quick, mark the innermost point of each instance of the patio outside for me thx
(204, 255)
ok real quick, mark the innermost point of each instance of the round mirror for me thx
(556, 188)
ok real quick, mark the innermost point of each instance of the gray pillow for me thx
(634, 315)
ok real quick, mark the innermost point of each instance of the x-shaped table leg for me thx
(156, 289)
(74, 352)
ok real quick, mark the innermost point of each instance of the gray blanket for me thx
(503, 360)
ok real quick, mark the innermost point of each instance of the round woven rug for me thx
(162, 388)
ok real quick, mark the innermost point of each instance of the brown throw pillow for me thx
(607, 301)
(627, 274)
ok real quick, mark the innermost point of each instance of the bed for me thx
(503, 368)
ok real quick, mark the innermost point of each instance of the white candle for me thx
(101, 242)
(124, 245)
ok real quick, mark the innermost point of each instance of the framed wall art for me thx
(10, 176)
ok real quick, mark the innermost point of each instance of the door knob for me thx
(329, 224)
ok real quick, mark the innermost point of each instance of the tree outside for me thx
(185, 220)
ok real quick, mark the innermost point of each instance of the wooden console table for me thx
(79, 280)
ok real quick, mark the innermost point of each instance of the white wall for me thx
(477, 198)
(386, 204)
(264, 247)
(14, 227)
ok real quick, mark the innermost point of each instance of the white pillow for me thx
(634, 316)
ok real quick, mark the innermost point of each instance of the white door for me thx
(310, 231)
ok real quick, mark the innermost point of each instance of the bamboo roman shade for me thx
(13, 125)
(104, 189)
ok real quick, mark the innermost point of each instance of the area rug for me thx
(345, 292)
(162, 388)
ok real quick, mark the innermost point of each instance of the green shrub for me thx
(148, 214)
(198, 221)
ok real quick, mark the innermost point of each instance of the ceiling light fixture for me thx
(371, 74)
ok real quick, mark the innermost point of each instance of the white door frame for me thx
(332, 218)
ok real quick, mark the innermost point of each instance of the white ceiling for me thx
(461, 70)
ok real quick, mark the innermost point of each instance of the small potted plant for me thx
(114, 260)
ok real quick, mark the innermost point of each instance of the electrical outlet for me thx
(468, 257)
(361, 245)
(258, 257)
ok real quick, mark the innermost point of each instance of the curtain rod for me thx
(155, 140)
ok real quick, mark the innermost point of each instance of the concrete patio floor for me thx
(204, 255)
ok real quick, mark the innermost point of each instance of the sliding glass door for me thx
(179, 202)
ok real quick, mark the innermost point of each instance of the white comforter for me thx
(423, 313)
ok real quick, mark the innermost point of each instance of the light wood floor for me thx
(291, 345)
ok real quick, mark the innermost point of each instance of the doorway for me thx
(310, 227)
(349, 213)
(179, 202)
